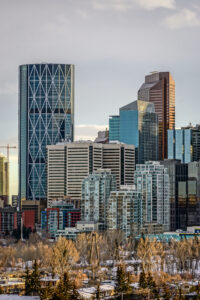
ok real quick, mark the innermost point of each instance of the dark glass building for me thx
(184, 193)
(159, 88)
(46, 116)
(139, 127)
(184, 144)
(114, 125)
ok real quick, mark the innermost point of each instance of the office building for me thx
(120, 209)
(159, 88)
(4, 179)
(103, 137)
(46, 116)
(139, 127)
(79, 159)
(96, 190)
(14, 200)
(184, 193)
(59, 216)
(8, 220)
(184, 144)
(30, 207)
(114, 128)
(152, 184)
(120, 159)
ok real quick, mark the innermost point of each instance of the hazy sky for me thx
(113, 44)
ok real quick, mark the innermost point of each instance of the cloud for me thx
(124, 5)
(184, 18)
(153, 4)
(88, 132)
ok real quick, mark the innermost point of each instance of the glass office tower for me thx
(159, 88)
(139, 127)
(184, 144)
(46, 116)
(114, 123)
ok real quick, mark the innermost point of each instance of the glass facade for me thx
(96, 189)
(114, 122)
(152, 182)
(46, 116)
(139, 127)
(180, 145)
(159, 88)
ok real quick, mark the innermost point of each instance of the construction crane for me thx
(8, 147)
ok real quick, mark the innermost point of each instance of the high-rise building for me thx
(4, 179)
(184, 144)
(152, 184)
(96, 190)
(69, 163)
(159, 88)
(46, 116)
(59, 216)
(184, 193)
(139, 127)
(103, 137)
(120, 159)
(120, 209)
(114, 128)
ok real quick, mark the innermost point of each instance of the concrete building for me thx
(120, 209)
(152, 185)
(4, 179)
(96, 190)
(8, 220)
(59, 216)
(103, 137)
(120, 159)
(69, 163)
(159, 88)
(184, 144)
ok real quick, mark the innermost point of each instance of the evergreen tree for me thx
(152, 286)
(98, 293)
(47, 292)
(142, 280)
(166, 292)
(35, 279)
(122, 285)
(75, 294)
(150, 282)
(1, 291)
(64, 289)
(27, 282)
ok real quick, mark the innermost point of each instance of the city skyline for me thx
(107, 42)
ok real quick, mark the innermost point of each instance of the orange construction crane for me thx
(8, 147)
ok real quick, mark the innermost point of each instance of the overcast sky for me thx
(113, 44)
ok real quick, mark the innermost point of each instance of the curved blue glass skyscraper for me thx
(46, 116)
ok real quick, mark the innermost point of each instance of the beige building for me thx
(69, 163)
(4, 178)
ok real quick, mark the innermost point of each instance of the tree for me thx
(166, 292)
(27, 282)
(150, 281)
(142, 280)
(122, 285)
(35, 278)
(47, 292)
(64, 255)
(66, 289)
(32, 281)
(98, 293)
